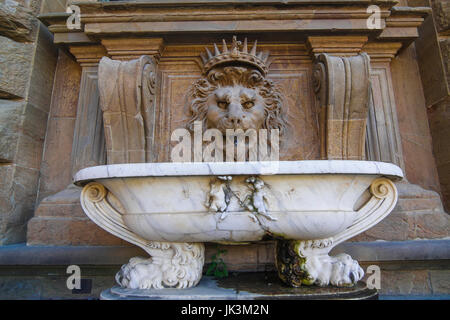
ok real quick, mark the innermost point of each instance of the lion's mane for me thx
(231, 76)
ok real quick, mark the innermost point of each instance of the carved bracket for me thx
(127, 98)
(342, 87)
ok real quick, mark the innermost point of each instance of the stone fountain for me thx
(170, 209)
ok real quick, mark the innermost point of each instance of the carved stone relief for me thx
(235, 93)
(290, 72)
(284, 99)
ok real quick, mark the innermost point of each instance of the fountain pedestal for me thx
(245, 286)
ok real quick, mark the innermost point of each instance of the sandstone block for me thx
(65, 204)
(15, 67)
(418, 215)
(16, 21)
(35, 122)
(255, 257)
(439, 118)
(68, 231)
(444, 44)
(66, 88)
(10, 118)
(405, 282)
(18, 198)
(44, 64)
(440, 281)
(53, 6)
(6, 176)
(441, 11)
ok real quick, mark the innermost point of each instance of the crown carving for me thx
(238, 53)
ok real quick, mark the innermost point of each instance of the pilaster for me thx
(383, 136)
(88, 139)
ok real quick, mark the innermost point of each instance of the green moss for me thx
(217, 267)
(277, 236)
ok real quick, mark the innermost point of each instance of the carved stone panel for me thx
(289, 69)
(302, 127)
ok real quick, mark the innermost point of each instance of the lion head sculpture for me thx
(234, 92)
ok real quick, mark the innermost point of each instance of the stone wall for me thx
(27, 63)
(439, 112)
(433, 52)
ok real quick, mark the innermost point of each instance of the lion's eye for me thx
(248, 104)
(222, 104)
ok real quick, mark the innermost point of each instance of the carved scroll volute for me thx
(127, 91)
(342, 87)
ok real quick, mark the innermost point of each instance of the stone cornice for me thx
(116, 25)
(403, 23)
(217, 3)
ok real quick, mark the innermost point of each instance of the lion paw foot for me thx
(340, 270)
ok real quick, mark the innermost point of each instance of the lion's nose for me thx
(235, 114)
(235, 120)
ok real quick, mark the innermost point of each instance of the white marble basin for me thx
(170, 209)
(302, 200)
